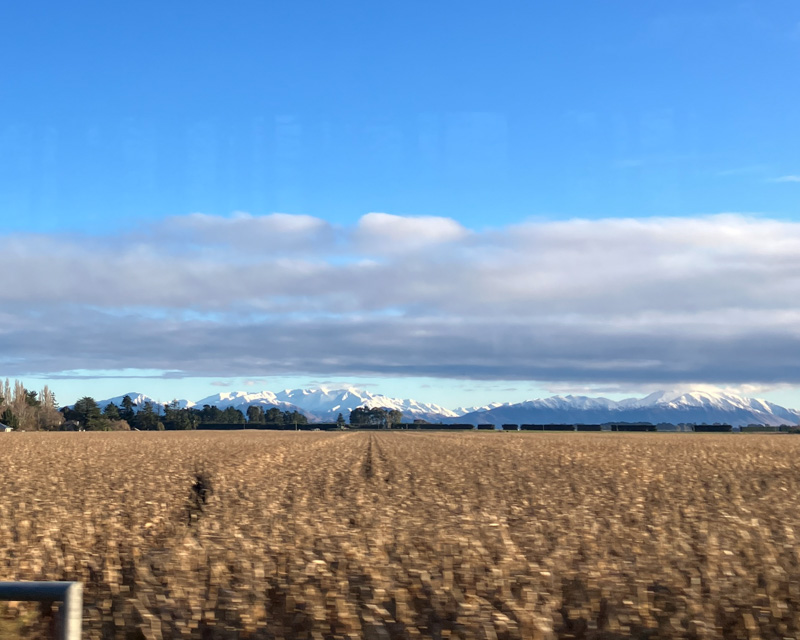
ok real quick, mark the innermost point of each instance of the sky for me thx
(454, 202)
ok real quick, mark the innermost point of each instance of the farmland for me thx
(254, 535)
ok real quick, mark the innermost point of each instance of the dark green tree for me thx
(9, 419)
(111, 411)
(177, 419)
(367, 417)
(375, 417)
(146, 419)
(294, 419)
(255, 414)
(127, 411)
(85, 411)
(210, 415)
(340, 421)
(359, 417)
(231, 415)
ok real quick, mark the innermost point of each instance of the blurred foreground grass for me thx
(254, 535)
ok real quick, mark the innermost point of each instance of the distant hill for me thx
(663, 406)
(318, 405)
(324, 405)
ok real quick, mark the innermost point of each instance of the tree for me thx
(394, 418)
(376, 417)
(231, 415)
(147, 419)
(86, 410)
(104, 423)
(340, 421)
(23, 404)
(6, 392)
(9, 419)
(210, 415)
(369, 417)
(48, 415)
(177, 419)
(359, 417)
(127, 412)
(111, 411)
(255, 414)
(294, 418)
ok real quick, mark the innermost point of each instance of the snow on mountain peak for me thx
(693, 405)
(675, 406)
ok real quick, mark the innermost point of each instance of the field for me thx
(252, 535)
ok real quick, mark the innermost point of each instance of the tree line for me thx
(38, 411)
(87, 414)
(28, 410)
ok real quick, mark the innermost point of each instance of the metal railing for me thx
(69, 594)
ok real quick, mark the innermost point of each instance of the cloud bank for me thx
(601, 302)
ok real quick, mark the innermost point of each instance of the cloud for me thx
(786, 179)
(644, 388)
(382, 232)
(586, 302)
(243, 229)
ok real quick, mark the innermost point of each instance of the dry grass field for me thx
(252, 535)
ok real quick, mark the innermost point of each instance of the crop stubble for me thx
(254, 535)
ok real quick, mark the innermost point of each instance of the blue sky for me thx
(120, 121)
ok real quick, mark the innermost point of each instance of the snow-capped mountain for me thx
(139, 400)
(662, 406)
(243, 399)
(327, 404)
(324, 405)
(462, 411)
(318, 405)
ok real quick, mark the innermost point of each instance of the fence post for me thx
(69, 594)
(72, 612)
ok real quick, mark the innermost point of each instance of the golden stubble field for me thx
(408, 535)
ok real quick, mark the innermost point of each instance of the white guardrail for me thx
(69, 594)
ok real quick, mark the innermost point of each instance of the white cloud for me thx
(786, 179)
(383, 232)
(243, 229)
(605, 302)
(639, 389)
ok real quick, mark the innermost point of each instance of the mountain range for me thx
(676, 407)
(324, 405)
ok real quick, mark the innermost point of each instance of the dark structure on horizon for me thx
(547, 427)
(633, 426)
(713, 428)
